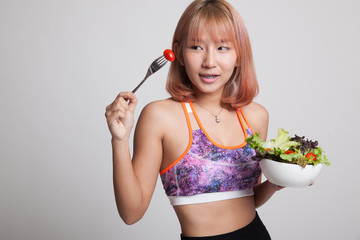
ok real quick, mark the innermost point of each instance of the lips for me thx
(209, 78)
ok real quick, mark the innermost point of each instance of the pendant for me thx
(217, 120)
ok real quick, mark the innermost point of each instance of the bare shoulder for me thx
(257, 116)
(160, 114)
(161, 109)
(256, 110)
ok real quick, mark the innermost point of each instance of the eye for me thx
(223, 48)
(195, 47)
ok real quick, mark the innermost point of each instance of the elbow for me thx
(129, 222)
(130, 213)
(130, 219)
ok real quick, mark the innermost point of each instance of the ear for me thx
(237, 64)
(178, 53)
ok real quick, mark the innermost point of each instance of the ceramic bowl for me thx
(289, 175)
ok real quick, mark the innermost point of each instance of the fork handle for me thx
(139, 85)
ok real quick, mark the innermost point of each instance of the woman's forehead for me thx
(217, 31)
(204, 36)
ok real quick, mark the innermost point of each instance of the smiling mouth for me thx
(209, 76)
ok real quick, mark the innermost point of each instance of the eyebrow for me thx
(223, 41)
(198, 40)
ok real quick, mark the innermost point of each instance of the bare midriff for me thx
(215, 218)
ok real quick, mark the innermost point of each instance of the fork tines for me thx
(158, 63)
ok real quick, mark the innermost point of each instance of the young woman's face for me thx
(209, 63)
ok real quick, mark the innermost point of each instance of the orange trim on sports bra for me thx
(247, 122)
(190, 141)
(207, 135)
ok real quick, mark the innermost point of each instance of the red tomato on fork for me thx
(169, 55)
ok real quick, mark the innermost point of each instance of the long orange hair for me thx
(220, 19)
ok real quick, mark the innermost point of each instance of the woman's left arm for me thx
(264, 191)
(258, 117)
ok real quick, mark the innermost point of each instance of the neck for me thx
(212, 107)
(211, 102)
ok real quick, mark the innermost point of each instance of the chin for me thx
(211, 88)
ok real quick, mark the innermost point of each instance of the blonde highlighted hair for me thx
(220, 19)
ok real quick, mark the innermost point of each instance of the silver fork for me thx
(155, 65)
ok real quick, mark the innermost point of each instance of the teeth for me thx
(209, 76)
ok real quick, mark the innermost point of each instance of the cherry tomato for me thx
(289, 152)
(311, 155)
(169, 55)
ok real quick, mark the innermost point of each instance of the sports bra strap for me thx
(188, 107)
(247, 122)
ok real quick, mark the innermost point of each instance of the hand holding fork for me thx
(120, 113)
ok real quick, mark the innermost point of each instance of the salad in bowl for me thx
(288, 161)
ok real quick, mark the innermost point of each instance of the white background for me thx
(63, 62)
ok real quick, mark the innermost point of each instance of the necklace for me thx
(217, 120)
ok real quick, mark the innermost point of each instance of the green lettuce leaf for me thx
(282, 141)
(255, 141)
(292, 157)
(320, 157)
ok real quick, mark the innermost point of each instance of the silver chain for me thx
(217, 120)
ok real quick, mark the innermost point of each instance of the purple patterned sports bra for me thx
(208, 172)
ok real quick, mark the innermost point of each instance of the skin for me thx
(161, 136)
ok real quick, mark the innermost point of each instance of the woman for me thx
(196, 138)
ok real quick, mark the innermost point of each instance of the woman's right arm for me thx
(134, 179)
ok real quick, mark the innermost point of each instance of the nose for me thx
(209, 59)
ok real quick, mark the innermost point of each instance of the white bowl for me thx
(289, 175)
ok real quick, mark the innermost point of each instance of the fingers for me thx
(123, 102)
(115, 110)
(120, 115)
(127, 96)
(131, 97)
(277, 187)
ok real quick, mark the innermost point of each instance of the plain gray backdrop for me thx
(63, 62)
